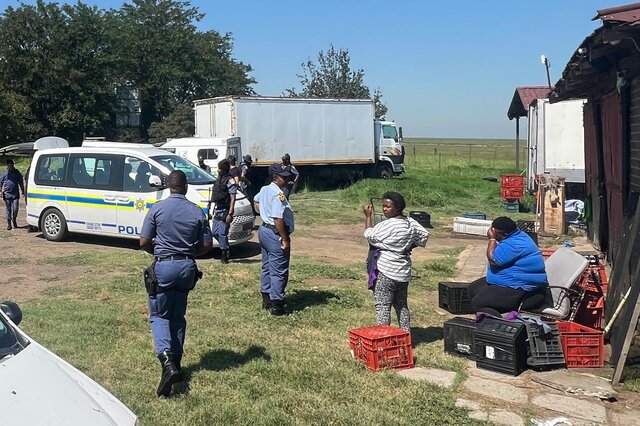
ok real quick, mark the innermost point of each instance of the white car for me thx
(38, 387)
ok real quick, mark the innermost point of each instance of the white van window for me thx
(208, 154)
(95, 171)
(51, 170)
(195, 175)
(136, 175)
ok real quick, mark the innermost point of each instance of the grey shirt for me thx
(177, 225)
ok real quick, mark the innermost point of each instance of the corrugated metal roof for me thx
(523, 97)
(628, 14)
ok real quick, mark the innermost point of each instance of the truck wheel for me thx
(385, 172)
(53, 225)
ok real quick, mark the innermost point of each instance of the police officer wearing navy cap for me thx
(275, 239)
(175, 231)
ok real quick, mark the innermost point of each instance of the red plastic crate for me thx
(546, 253)
(590, 313)
(381, 346)
(588, 282)
(512, 181)
(582, 346)
(512, 193)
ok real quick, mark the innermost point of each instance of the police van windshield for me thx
(195, 175)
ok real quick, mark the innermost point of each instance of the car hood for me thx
(38, 387)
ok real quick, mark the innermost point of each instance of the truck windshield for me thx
(390, 132)
(195, 175)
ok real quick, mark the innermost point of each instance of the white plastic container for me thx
(463, 225)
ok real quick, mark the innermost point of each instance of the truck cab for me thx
(389, 149)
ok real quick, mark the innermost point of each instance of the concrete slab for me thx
(432, 375)
(576, 383)
(479, 415)
(471, 262)
(495, 390)
(467, 403)
(624, 418)
(503, 417)
(472, 370)
(572, 407)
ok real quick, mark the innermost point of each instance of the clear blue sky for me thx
(445, 70)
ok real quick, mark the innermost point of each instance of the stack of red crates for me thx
(381, 346)
(593, 284)
(512, 187)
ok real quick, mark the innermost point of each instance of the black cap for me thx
(276, 169)
(247, 159)
(286, 157)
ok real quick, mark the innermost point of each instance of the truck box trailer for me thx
(324, 137)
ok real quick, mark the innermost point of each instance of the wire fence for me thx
(472, 154)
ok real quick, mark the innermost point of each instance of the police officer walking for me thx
(175, 231)
(223, 197)
(10, 181)
(275, 241)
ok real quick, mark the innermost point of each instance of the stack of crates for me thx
(593, 287)
(381, 347)
(512, 191)
(501, 346)
(582, 346)
(545, 350)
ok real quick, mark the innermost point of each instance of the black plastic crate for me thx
(452, 297)
(501, 346)
(459, 336)
(544, 349)
(475, 215)
(423, 218)
(529, 228)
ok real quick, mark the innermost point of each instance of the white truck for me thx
(329, 138)
(556, 142)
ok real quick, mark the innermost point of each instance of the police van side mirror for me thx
(12, 311)
(155, 181)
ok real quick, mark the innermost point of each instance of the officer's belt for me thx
(173, 257)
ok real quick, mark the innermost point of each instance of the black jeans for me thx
(496, 299)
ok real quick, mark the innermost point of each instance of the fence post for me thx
(414, 155)
(495, 154)
(470, 153)
(439, 160)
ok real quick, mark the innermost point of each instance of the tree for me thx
(169, 62)
(179, 124)
(332, 77)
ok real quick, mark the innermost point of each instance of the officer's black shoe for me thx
(170, 374)
(15, 224)
(8, 225)
(224, 256)
(266, 301)
(277, 308)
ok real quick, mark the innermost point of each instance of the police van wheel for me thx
(53, 225)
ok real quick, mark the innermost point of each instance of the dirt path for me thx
(25, 272)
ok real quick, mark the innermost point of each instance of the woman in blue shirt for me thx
(515, 272)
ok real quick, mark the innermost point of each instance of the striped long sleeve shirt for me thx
(396, 237)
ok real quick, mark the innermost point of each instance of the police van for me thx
(107, 188)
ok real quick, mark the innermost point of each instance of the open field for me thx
(84, 299)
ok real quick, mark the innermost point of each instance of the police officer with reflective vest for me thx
(223, 198)
(175, 231)
(275, 239)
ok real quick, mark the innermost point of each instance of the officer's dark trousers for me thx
(220, 232)
(167, 309)
(275, 264)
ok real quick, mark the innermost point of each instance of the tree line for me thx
(130, 73)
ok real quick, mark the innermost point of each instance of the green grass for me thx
(245, 366)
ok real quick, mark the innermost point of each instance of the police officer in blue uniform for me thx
(275, 239)
(175, 231)
(223, 198)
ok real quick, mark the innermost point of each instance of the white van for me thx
(107, 188)
(211, 149)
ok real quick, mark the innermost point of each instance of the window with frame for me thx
(51, 170)
(208, 154)
(95, 172)
(136, 174)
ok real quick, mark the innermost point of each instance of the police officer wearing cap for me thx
(175, 231)
(275, 239)
(291, 186)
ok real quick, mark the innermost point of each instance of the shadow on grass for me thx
(298, 300)
(420, 335)
(248, 252)
(219, 360)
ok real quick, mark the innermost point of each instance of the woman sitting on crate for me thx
(394, 238)
(515, 272)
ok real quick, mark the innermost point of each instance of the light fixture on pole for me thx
(547, 65)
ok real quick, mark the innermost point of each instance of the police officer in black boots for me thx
(175, 231)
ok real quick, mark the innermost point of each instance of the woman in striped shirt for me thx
(395, 237)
